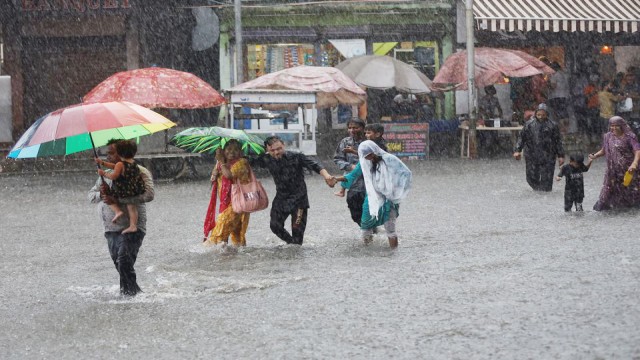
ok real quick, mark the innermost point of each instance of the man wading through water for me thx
(541, 142)
(123, 247)
(287, 169)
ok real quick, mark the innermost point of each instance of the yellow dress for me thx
(228, 222)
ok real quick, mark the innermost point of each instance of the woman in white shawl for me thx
(387, 181)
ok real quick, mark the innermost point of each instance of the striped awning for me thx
(557, 15)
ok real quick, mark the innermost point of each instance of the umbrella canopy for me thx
(156, 87)
(491, 67)
(209, 139)
(331, 86)
(85, 126)
(385, 72)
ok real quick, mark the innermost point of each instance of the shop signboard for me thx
(408, 141)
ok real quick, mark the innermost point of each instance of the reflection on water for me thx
(486, 268)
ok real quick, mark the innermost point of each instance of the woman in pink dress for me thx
(621, 149)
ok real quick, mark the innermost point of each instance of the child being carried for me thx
(127, 181)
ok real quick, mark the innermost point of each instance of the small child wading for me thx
(574, 186)
(127, 181)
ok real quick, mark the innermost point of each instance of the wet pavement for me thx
(486, 269)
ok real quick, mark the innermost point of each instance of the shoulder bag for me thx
(249, 197)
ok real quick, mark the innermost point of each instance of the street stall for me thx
(491, 66)
(285, 103)
(399, 93)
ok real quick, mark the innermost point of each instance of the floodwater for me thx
(486, 269)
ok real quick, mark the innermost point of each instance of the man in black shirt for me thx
(287, 169)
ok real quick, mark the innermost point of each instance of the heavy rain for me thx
(486, 261)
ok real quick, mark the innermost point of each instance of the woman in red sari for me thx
(229, 167)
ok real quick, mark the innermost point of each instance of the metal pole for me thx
(239, 78)
(471, 83)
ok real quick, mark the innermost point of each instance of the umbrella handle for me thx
(95, 154)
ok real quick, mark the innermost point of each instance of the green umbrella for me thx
(206, 140)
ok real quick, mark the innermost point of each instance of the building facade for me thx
(55, 51)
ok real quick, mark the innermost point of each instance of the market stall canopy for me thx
(565, 15)
(157, 87)
(491, 67)
(330, 85)
(385, 72)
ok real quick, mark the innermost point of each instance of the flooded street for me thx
(485, 269)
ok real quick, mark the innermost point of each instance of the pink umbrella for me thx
(491, 67)
(332, 86)
(156, 87)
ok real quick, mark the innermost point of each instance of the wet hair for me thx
(126, 148)
(490, 90)
(113, 141)
(356, 121)
(272, 140)
(232, 141)
(378, 128)
(577, 157)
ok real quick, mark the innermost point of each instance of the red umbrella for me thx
(491, 67)
(156, 87)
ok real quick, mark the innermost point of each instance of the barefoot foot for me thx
(393, 242)
(130, 229)
(117, 216)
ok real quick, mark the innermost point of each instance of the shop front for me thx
(590, 43)
(281, 37)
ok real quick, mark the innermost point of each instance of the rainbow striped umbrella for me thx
(87, 126)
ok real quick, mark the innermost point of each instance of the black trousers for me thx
(298, 225)
(355, 200)
(124, 252)
(540, 175)
(570, 200)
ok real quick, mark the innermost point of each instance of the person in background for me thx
(539, 86)
(559, 96)
(607, 103)
(230, 166)
(522, 97)
(373, 132)
(541, 142)
(574, 181)
(489, 109)
(346, 157)
(387, 182)
(579, 83)
(123, 247)
(593, 111)
(621, 149)
(630, 88)
(287, 169)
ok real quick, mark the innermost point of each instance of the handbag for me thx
(249, 197)
(625, 105)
